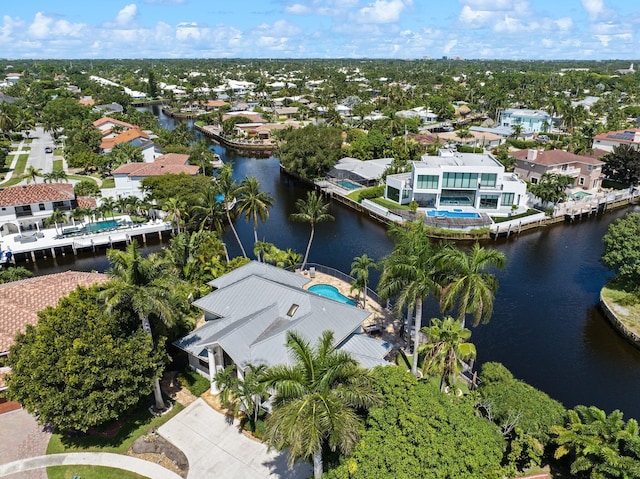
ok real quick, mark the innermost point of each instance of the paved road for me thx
(37, 157)
(217, 449)
(118, 461)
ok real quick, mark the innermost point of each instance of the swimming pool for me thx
(350, 185)
(330, 292)
(101, 226)
(453, 214)
(579, 194)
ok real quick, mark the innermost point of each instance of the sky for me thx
(410, 29)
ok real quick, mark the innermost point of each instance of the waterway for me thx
(546, 326)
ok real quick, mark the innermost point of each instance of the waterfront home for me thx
(585, 169)
(26, 207)
(365, 173)
(610, 139)
(128, 177)
(110, 127)
(477, 139)
(473, 180)
(531, 121)
(252, 308)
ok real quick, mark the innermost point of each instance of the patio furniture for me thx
(312, 272)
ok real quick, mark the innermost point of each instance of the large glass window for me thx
(488, 180)
(427, 182)
(489, 202)
(460, 180)
(507, 199)
(393, 194)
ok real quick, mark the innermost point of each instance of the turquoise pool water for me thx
(350, 185)
(100, 226)
(579, 194)
(330, 292)
(453, 214)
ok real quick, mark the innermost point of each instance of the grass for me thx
(194, 382)
(58, 165)
(90, 472)
(625, 303)
(501, 219)
(108, 183)
(81, 177)
(390, 205)
(137, 425)
(18, 171)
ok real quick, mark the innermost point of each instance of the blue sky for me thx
(508, 29)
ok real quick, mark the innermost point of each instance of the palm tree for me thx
(312, 210)
(142, 286)
(32, 173)
(409, 274)
(253, 203)
(228, 188)
(316, 400)
(210, 210)
(446, 349)
(108, 205)
(467, 281)
(174, 208)
(360, 270)
(244, 395)
(57, 216)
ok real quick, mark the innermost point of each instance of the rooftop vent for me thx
(292, 310)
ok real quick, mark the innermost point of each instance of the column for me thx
(213, 368)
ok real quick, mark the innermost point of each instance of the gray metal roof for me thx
(368, 170)
(368, 351)
(255, 320)
(255, 268)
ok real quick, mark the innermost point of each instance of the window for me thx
(489, 202)
(488, 180)
(582, 180)
(393, 194)
(405, 194)
(507, 199)
(41, 206)
(460, 180)
(203, 363)
(427, 182)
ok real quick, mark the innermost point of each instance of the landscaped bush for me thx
(469, 149)
(370, 193)
(194, 382)
(523, 144)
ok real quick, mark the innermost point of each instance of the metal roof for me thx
(265, 270)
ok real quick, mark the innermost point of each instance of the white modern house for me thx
(452, 180)
(252, 308)
(531, 121)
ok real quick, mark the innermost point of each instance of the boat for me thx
(217, 161)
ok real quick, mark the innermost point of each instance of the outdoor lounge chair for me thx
(312, 272)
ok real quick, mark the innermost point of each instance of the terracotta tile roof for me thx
(170, 163)
(36, 193)
(556, 157)
(87, 101)
(20, 301)
(107, 120)
(126, 136)
(423, 138)
(216, 103)
(630, 136)
(86, 202)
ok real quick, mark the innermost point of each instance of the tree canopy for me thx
(78, 368)
(310, 151)
(622, 164)
(622, 249)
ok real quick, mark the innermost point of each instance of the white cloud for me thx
(298, 9)
(593, 7)
(127, 14)
(564, 23)
(41, 26)
(382, 11)
(476, 17)
(449, 46)
(488, 4)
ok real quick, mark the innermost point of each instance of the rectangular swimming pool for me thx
(453, 214)
(350, 185)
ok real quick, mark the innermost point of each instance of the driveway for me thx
(21, 437)
(217, 449)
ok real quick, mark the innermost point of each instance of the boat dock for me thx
(49, 243)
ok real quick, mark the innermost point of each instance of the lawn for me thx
(81, 177)
(137, 425)
(194, 382)
(18, 171)
(108, 183)
(625, 304)
(58, 165)
(90, 472)
(390, 205)
(501, 219)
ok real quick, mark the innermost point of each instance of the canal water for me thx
(546, 326)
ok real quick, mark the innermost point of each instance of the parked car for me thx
(48, 149)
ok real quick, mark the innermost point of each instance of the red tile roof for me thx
(86, 202)
(126, 136)
(170, 163)
(630, 136)
(106, 120)
(36, 193)
(556, 157)
(20, 301)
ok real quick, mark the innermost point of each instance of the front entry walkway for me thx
(218, 449)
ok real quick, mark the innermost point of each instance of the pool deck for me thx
(382, 318)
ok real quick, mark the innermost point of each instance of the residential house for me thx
(248, 315)
(531, 121)
(108, 108)
(586, 169)
(607, 141)
(111, 127)
(476, 138)
(474, 180)
(128, 177)
(215, 105)
(366, 173)
(26, 207)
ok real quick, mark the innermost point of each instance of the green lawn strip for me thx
(108, 183)
(625, 304)
(194, 382)
(18, 171)
(137, 425)
(81, 177)
(90, 472)
(390, 205)
(58, 164)
(501, 219)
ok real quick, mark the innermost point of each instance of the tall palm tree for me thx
(32, 173)
(244, 395)
(228, 188)
(108, 205)
(175, 211)
(316, 400)
(409, 274)
(253, 203)
(143, 286)
(312, 210)
(467, 281)
(57, 216)
(360, 270)
(446, 349)
(210, 210)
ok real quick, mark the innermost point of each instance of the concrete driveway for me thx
(21, 437)
(217, 449)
